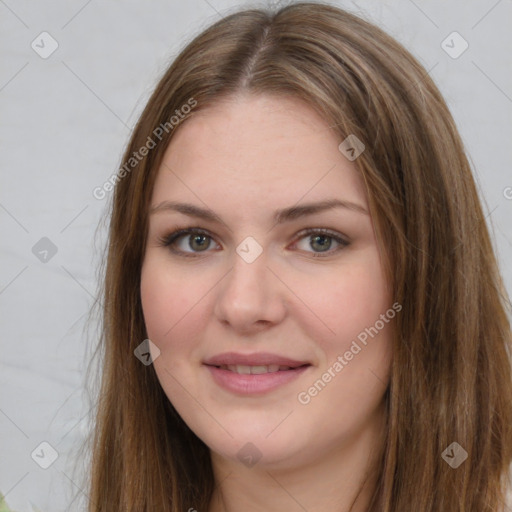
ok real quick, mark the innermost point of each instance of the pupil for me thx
(201, 245)
(323, 245)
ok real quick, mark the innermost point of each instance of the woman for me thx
(296, 229)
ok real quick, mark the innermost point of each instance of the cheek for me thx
(157, 302)
(348, 299)
(356, 355)
(171, 303)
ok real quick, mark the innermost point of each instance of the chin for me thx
(250, 449)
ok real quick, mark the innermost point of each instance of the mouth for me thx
(246, 374)
(257, 369)
(259, 361)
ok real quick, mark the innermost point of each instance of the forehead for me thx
(256, 150)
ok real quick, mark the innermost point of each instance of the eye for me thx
(191, 242)
(188, 242)
(321, 241)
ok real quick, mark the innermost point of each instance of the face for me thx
(262, 284)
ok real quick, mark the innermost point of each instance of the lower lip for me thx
(248, 384)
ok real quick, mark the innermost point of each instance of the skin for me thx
(244, 158)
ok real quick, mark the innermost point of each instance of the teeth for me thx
(264, 369)
(254, 370)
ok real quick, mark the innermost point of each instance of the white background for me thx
(64, 123)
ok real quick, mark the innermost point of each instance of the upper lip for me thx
(256, 359)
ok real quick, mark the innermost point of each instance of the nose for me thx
(250, 297)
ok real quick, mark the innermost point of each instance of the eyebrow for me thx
(280, 216)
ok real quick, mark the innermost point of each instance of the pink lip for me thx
(246, 384)
(256, 359)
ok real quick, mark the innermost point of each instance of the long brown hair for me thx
(451, 371)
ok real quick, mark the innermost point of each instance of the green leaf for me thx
(3, 505)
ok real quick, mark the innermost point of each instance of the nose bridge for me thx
(250, 293)
(248, 272)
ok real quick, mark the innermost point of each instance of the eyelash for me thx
(170, 239)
